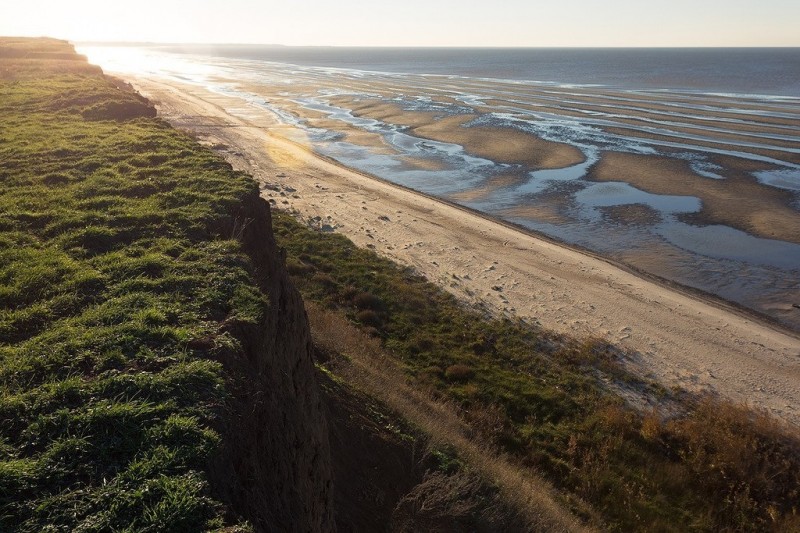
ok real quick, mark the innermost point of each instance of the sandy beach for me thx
(679, 337)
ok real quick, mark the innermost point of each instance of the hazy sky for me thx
(414, 22)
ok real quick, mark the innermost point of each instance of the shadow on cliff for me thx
(389, 477)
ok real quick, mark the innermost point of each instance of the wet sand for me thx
(719, 143)
(502, 145)
(679, 338)
(647, 118)
(737, 201)
(487, 188)
(662, 102)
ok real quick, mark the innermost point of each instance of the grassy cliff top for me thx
(113, 276)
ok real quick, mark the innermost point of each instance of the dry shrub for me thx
(120, 111)
(368, 317)
(652, 427)
(615, 417)
(457, 502)
(326, 280)
(744, 455)
(592, 351)
(459, 372)
(349, 293)
(366, 300)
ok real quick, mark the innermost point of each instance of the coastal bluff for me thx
(155, 358)
(176, 354)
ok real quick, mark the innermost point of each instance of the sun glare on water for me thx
(141, 61)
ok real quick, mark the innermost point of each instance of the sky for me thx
(412, 22)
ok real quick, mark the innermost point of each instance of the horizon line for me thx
(510, 47)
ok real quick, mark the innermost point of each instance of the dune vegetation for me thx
(543, 402)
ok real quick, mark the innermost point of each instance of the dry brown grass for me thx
(746, 455)
(367, 366)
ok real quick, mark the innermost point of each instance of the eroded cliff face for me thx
(275, 468)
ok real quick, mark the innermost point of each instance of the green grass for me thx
(114, 286)
(538, 399)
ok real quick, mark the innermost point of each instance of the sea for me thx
(741, 71)
(688, 163)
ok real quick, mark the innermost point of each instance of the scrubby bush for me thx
(459, 372)
(369, 318)
(366, 300)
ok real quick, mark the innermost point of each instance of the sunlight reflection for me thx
(287, 145)
(141, 61)
(288, 154)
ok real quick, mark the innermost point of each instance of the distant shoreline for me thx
(719, 70)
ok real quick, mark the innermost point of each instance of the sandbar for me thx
(738, 201)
